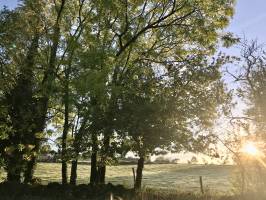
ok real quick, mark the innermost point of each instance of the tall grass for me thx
(154, 194)
(250, 179)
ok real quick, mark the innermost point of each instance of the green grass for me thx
(161, 182)
(182, 177)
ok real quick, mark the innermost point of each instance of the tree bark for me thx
(101, 173)
(40, 109)
(73, 176)
(76, 145)
(102, 166)
(65, 132)
(139, 173)
(28, 173)
(14, 176)
(94, 171)
(64, 172)
(14, 170)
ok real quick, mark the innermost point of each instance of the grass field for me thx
(184, 177)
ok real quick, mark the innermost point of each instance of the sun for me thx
(251, 149)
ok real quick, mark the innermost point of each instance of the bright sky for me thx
(8, 3)
(249, 19)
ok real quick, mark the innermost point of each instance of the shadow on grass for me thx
(56, 191)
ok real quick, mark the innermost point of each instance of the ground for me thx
(184, 177)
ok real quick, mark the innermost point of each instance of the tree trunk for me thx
(47, 82)
(101, 173)
(31, 164)
(102, 166)
(139, 173)
(64, 145)
(28, 173)
(64, 172)
(76, 146)
(39, 111)
(15, 164)
(74, 163)
(77, 150)
(94, 171)
(14, 171)
(66, 127)
(73, 176)
(14, 176)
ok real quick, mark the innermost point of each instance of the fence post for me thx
(111, 196)
(201, 185)
(134, 176)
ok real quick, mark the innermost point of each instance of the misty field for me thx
(216, 178)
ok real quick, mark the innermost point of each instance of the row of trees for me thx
(111, 77)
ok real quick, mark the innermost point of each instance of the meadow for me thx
(183, 177)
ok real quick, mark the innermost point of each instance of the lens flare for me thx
(251, 149)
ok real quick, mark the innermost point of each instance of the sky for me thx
(249, 19)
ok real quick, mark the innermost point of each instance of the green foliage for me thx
(117, 70)
(229, 39)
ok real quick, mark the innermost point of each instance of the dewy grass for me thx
(156, 194)
(180, 177)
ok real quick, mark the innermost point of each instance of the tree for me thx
(250, 78)
(173, 110)
(160, 33)
(18, 97)
(30, 88)
(253, 87)
(46, 45)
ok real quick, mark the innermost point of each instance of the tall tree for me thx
(18, 98)
(165, 32)
(172, 110)
(29, 84)
(253, 86)
(107, 44)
